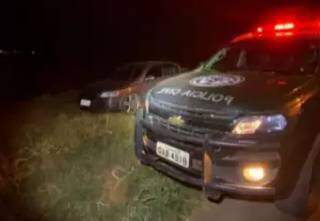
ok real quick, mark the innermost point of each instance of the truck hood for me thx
(233, 91)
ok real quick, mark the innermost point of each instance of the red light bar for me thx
(284, 29)
(285, 26)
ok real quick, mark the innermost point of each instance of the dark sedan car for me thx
(126, 86)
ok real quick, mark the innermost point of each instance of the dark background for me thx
(79, 40)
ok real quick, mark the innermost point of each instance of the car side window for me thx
(169, 69)
(154, 73)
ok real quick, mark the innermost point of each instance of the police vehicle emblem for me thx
(217, 80)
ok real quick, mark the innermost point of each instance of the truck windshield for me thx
(285, 56)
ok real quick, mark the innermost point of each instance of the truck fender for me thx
(138, 133)
(297, 203)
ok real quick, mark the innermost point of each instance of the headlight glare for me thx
(254, 173)
(247, 125)
(107, 94)
(275, 123)
(264, 124)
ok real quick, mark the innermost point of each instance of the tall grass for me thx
(73, 165)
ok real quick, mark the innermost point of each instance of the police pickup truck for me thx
(246, 123)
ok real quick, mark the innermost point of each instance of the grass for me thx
(61, 163)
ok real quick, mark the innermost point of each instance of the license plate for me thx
(173, 154)
(84, 102)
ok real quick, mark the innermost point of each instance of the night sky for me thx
(84, 38)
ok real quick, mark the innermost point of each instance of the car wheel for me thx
(131, 103)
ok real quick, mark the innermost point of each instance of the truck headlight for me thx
(107, 94)
(264, 124)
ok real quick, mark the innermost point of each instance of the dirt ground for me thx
(240, 210)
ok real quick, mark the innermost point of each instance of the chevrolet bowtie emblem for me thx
(176, 120)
